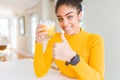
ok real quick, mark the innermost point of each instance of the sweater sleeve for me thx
(94, 70)
(42, 61)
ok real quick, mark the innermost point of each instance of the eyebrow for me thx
(65, 14)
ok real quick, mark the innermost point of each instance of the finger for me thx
(63, 38)
(54, 45)
(41, 29)
(53, 55)
(54, 51)
(41, 36)
(39, 26)
(42, 33)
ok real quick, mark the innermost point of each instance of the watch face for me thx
(75, 60)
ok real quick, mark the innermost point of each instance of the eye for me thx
(69, 17)
(60, 19)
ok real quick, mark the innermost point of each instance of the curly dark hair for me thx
(73, 3)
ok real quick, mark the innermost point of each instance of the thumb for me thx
(63, 38)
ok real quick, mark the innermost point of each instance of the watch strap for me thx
(74, 61)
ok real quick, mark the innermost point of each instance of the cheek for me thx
(61, 25)
(75, 22)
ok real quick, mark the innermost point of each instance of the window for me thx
(9, 32)
(13, 33)
(22, 25)
(3, 27)
(34, 22)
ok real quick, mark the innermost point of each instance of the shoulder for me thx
(92, 35)
(96, 39)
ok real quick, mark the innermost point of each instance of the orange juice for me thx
(50, 28)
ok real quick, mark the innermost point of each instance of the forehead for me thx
(64, 9)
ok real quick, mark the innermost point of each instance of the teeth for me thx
(68, 28)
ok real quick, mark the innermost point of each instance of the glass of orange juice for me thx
(50, 25)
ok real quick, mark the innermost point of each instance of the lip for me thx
(68, 29)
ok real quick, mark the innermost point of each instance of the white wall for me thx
(45, 11)
(23, 41)
(103, 17)
(48, 7)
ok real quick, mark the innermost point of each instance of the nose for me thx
(65, 22)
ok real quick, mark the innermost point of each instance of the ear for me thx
(80, 15)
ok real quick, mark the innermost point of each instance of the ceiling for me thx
(15, 6)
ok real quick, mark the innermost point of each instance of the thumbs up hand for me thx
(62, 50)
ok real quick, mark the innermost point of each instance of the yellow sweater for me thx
(89, 47)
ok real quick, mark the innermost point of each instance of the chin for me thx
(69, 32)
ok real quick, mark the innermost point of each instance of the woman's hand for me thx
(40, 33)
(62, 50)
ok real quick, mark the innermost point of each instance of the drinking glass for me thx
(50, 25)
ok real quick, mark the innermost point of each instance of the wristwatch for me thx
(74, 61)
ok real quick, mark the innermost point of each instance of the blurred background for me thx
(19, 18)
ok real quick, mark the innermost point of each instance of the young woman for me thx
(77, 53)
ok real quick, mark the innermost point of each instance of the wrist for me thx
(71, 56)
(74, 61)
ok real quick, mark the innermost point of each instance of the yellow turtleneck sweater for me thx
(89, 47)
